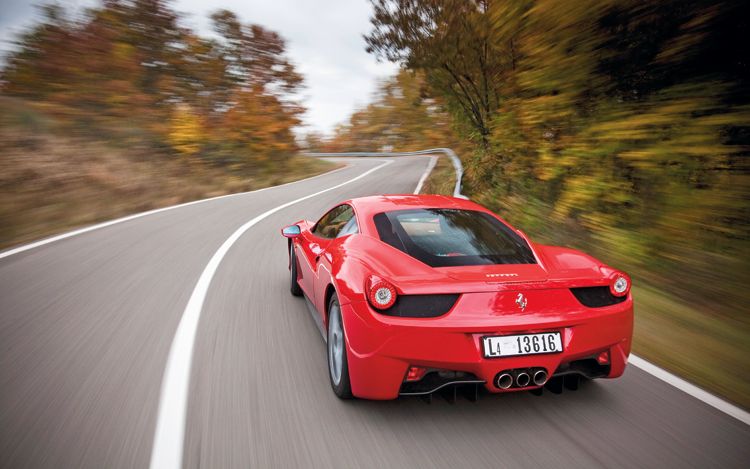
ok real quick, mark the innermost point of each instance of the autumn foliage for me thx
(619, 126)
(128, 70)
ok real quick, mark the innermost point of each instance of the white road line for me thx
(170, 424)
(426, 174)
(679, 383)
(98, 226)
(691, 389)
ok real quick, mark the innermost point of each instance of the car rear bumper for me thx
(382, 348)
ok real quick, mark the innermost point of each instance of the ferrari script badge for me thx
(521, 301)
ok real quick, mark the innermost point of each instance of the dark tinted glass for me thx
(448, 237)
(332, 222)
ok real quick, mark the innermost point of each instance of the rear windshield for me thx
(449, 237)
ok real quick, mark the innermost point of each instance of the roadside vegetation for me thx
(121, 108)
(442, 179)
(621, 128)
(403, 115)
(51, 182)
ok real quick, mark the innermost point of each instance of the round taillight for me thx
(382, 294)
(620, 285)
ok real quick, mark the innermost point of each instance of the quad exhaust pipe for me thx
(540, 377)
(504, 380)
(521, 378)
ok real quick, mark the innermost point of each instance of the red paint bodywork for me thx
(381, 348)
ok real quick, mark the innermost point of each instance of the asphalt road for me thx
(86, 325)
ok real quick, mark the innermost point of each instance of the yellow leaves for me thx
(186, 131)
(548, 164)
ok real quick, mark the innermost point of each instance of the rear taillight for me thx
(620, 284)
(381, 294)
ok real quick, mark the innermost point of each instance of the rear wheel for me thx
(338, 365)
(294, 287)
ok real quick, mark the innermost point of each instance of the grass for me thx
(51, 182)
(710, 350)
(442, 179)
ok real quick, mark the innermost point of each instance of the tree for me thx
(127, 66)
(462, 48)
(621, 126)
(258, 126)
(255, 56)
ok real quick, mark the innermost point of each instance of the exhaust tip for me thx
(523, 379)
(540, 377)
(504, 381)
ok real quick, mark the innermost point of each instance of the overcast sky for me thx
(324, 40)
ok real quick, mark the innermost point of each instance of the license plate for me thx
(526, 344)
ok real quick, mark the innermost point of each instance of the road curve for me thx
(86, 325)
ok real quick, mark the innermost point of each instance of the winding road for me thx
(97, 357)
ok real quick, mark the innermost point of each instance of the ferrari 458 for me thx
(415, 294)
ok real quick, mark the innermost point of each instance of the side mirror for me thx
(291, 231)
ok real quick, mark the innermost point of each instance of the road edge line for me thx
(169, 437)
(426, 174)
(691, 389)
(35, 244)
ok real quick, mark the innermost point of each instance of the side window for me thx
(332, 222)
(350, 228)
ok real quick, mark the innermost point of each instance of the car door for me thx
(346, 224)
(316, 241)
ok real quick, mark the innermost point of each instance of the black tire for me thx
(294, 287)
(336, 346)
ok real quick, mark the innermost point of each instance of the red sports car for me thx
(420, 293)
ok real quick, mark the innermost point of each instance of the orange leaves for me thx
(259, 125)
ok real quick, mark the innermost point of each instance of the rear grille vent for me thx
(596, 297)
(421, 306)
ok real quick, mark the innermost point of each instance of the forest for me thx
(617, 127)
(230, 100)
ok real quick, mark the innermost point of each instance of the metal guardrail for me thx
(446, 151)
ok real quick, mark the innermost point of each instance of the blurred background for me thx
(618, 127)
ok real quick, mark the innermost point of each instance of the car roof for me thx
(372, 205)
